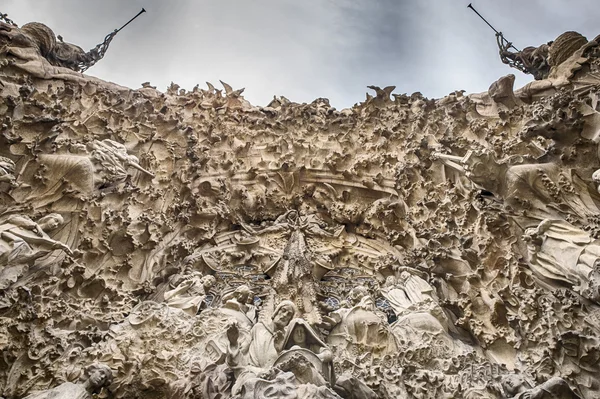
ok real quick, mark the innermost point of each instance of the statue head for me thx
(390, 281)
(284, 313)
(358, 293)
(51, 221)
(98, 375)
(242, 294)
(514, 384)
(299, 335)
(404, 276)
(596, 176)
(208, 282)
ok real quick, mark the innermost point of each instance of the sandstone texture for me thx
(189, 244)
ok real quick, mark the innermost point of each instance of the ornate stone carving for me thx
(559, 252)
(514, 386)
(200, 246)
(98, 376)
(189, 295)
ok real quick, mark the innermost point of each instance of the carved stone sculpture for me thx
(515, 387)
(7, 170)
(189, 295)
(114, 160)
(97, 377)
(41, 38)
(562, 253)
(300, 335)
(201, 246)
(360, 326)
(24, 240)
(268, 336)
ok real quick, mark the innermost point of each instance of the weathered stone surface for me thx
(200, 246)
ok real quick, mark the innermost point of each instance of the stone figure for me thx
(529, 187)
(409, 294)
(203, 380)
(533, 60)
(515, 387)
(64, 176)
(538, 61)
(561, 253)
(69, 55)
(360, 325)
(420, 317)
(42, 39)
(416, 288)
(267, 336)
(239, 304)
(189, 295)
(395, 295)
(266, 343)
(300, 335)
(97, 377)
(113, 159)
(22, 240)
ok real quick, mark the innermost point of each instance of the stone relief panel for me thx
(188, 244)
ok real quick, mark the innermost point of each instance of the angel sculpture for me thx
(23, 240)
(189, 295)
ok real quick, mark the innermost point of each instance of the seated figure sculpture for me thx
(98, 376)
(409, 295)
(268, 336)
(266, 343)
(360, 325)
(302, 341)
(189, 295)
(420, 318)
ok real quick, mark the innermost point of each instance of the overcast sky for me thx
(305, 49)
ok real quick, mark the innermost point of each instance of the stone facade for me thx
(192, 245)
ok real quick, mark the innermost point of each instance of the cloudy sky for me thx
(305, 49)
